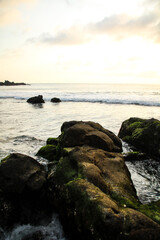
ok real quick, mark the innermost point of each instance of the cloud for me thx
(75, 35)
(123, 26)
(118, 27)
(9, 12)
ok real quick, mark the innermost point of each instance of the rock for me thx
(52, 141)
(36, 99)
(19, 172)
(23, 194)
(91, 187)
(2, 234)
(55, 100)
(8, 83)
(91, 134)
(134, 156)
(144, 134)
(48, 152)
(8, 212)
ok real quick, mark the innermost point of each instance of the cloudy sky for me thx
(60, 41)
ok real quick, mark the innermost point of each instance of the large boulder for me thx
(22, 191)
(19, 172)
(8, 212)
(144, 134)
(91, 134)
(36, 100)
(91, 188)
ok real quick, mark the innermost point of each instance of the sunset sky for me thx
(77, 41)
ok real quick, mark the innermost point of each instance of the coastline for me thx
(8, 83)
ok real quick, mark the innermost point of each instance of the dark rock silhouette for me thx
(22, 191)
(19, 172)
(36, 100)
(55, 100)
(8, 83)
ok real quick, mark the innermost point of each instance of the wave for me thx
(98, 100)
(113, 101)
(53, 230)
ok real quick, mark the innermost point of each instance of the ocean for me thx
(25, 127)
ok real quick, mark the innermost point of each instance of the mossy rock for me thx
(52, 141)
(66, 171)
(83, 211)
(151, 210)
(144, 134)
(4, 159)
(49, 152)
(92, 190)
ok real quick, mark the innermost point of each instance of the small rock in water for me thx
(36, 99)
(55, 100)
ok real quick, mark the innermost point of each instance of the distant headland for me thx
(8, 83)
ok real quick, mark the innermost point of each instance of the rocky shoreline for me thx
(87, 183)
(8, 83)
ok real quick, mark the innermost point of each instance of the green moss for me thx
(151, 210)
(133, 153)
(127, 139)
(124, 201)
(137, 132)
(85, 212)
(66, 171)
(135, 125)
(48, 152)
(4, 159)
(67, 150)
(52, 141)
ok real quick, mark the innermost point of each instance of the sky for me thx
(80, 41)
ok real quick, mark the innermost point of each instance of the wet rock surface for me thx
(92, 190)
(87, 183)
(144, 134)
(19, 173)
(22, 190)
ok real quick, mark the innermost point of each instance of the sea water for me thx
(25, 127)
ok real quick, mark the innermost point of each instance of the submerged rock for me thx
(36, 99)
(91, 188)
(144, 134)
(55, 100)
